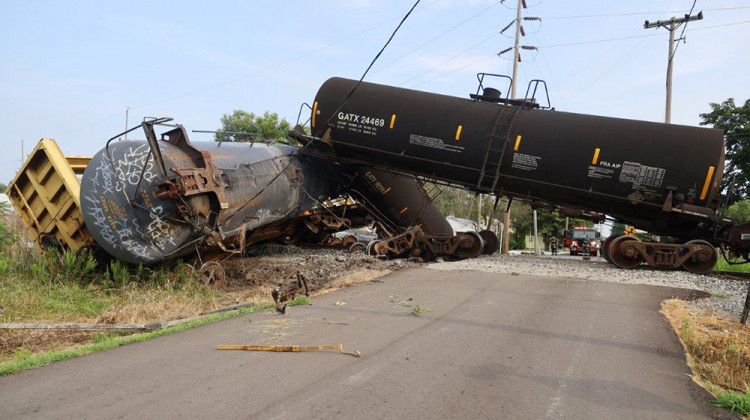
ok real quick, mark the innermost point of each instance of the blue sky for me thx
(70, 68)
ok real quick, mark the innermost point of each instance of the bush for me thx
(69, 267)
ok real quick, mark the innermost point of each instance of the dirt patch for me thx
(252, 278)
(249, 279)
(718, 348)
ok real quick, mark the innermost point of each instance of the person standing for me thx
(553, 243)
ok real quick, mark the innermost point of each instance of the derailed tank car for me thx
(147, 202)
(658, 177)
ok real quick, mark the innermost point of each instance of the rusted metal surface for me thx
(206, 195)
(289, 288)
(628, 252)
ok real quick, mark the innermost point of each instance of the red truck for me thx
(573, 240)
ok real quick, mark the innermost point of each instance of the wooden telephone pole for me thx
(671, 25)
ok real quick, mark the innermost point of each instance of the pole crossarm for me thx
(676, 21)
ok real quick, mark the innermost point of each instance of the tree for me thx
(740, 211)
(735, 122)
(265, 128)
(7, 236)
(3, 187)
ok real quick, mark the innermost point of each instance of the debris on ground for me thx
(249, 279)
(295, 349)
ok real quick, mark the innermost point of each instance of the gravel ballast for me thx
(727, 296)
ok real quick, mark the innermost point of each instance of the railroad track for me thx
(731, 275)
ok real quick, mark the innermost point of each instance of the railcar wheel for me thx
(372, 249)
(357, 247)
(604, 250)
(491, 242)
(702, 261)
(471, 245)
(623, 256)
(348, 241)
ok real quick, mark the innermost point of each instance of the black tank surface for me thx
(398, 200)
(625, 168)
(123, 211)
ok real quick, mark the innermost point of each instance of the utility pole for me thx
(537, 251)
(127, 110)
(516, 47)
(479, 212)
(671, 25)
(516, 58)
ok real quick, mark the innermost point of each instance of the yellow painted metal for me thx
(708, 182)
(596, 156)
(46, 193)
(518, 143)
(458, 132)
(314, 114)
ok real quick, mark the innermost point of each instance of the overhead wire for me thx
(455, 70)
(639, 13)
(641, 36)
(296, 156)
(494, 34)
(271, 67)
(630, 54)
(682, 33)
(437, 36)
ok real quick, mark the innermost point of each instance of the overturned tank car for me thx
(154, 200)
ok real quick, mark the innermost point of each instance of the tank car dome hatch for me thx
(490, 94)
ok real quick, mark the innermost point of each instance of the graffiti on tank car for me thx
(159, 231)
(134, 164)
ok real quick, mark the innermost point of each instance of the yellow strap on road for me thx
(294, 349)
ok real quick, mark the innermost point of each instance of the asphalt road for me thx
(492, 346)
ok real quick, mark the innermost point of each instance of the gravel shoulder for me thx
(727, 296)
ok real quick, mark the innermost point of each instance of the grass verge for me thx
(109, 341)
(718, 352)
(723, 265)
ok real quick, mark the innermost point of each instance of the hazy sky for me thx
(70, 68)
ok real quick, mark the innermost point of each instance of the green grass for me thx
(299, 300)
(40, 295)
(723, 265)
(721, 295)
(419, 310)
(109, 341)
(735, 401)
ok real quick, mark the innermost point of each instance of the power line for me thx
(455, 70)
(438, 36)
(279, 64)
(641, 36)
(683, 31)
(494, 34)
(640, 13)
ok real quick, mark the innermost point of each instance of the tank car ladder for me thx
(496, 146)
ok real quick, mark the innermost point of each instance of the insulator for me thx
(507, 27)
(504, 51)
